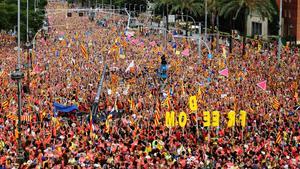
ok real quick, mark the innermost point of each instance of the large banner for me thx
(63, 108)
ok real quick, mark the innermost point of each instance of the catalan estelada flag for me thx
(91, 124)
(84, 52)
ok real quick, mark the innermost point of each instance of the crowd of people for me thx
(136, 135)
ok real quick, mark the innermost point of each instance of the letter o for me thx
(182, 119)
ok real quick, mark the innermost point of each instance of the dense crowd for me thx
(136, 136)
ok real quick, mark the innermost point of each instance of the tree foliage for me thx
(194, 7)
(9, 16)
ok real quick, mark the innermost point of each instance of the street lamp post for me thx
(165, 32)
(163, 68)
(27, 21)
(28, 63)
(188, 16)
(141, 8)
(199, 43)
(118, 9)
(129, 17)
(27, 47)
(96, 102)
(205, 34)
(18, 75)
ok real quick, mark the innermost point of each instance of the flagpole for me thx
(199, 50)
(205, 21)
(19, 75)
(197, 127)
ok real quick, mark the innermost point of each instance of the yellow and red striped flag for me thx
(114, 47)
(63, 43)
(76, 36)
(157, 108)
(266, 116)
(156, 118)
(84, 52)
(195, 118)
(182, 87)
(157, 112)
(276, 104)
(131, 120)
(55, 123)
(26, 118)
(16, 133)
(1, 73)
(124, 43)
(132, 105)
(43, 114)
(167, 101)
(296, 96)
(5, 105)
(108, 119)
(200, 91)
(12, 117)
(278, 138)
(91, 124)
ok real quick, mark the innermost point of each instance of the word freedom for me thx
(209, 119)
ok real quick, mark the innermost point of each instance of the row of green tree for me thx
(228, 12)
(222, 14)
(234, 12)
(9, 16)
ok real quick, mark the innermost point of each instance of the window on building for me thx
(285, 14)
(256, 28)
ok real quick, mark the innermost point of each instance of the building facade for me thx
(291, 19)
(257, 25)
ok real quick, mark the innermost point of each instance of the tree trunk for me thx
(186, 25)
(218, 33)
(213, 16)
(167, 17)
(245, 33)
(231, 35)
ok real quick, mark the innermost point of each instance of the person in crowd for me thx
(67, 68)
